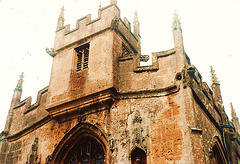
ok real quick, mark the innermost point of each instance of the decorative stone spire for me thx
(217, 96)
(235, 119)
(177, 34)
(17, 93)
(136, 30)
(61, 19)
(214, 77)
(233, 113)
(176, 22)
(113, 2)
(19, 84)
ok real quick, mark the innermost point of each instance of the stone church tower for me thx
(102, 106)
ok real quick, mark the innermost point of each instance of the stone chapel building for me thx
(102, 106)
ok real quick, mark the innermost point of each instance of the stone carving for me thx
(111, 142)
(214, 77)
(114, 25)
(188, 75)
(176, 22)
(51, 52)
(48, 159)
(144, 58)
(60, 23)
(137, 118)
(138, 139)
(34, 158)
(19, 84)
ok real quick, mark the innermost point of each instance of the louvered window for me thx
(82, 57)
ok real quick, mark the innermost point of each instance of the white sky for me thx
(211, 34)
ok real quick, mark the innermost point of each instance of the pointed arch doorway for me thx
(84, 144)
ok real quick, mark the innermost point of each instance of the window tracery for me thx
(86, 151)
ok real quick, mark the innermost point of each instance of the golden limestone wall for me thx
(164, 111)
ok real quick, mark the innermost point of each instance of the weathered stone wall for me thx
(164, 109)
(78, 84)
(171, 128)
(20, 148)
(204, 128)
(152, 124)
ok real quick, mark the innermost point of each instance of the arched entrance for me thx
(84, 144)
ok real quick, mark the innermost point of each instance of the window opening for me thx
(125, 50)
(82, 57)
(138, 156)
(86, 151)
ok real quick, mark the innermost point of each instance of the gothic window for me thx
(82, 57)
(86, 151)
(138, 156)
(125, 50)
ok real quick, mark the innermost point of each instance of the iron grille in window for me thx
(82, 57)
(125, 50)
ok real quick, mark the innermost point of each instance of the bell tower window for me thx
(82, 57)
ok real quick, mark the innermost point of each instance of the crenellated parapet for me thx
(134, 78)
(28, 101)
(108, 18)
(85, 27)
(28, 113)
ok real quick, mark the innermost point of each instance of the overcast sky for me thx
(211, 34)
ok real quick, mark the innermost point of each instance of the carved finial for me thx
(19, 84)
(136, 24)
(233, 113)
(213, 77)
(51, 52)
(113, 2)
(176, 22)
(62, 13)
(235, 119)
(135, 16)
(61, 19)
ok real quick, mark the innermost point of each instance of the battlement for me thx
(31, 113)
(28, 101)
(108, 18)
